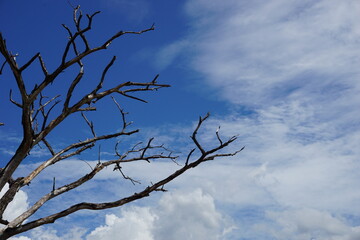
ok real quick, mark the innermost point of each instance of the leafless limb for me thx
(72, 87)
(88, 164)
(41, 109)
(123, 113)
(193, 136)
(118, 167)
(17, 224)
(54, 184)
(99, 155)
(30, 139)
(12, 101)
(47, 144)
(2, 67)
(217, 135)
(90, 124)
(26, 65)
(189, 155)
(42, 114)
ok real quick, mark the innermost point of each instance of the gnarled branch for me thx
(38, 123)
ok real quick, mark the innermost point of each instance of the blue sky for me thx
(283, 74)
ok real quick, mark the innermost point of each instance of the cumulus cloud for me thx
(190, 215)
(133, 224)
(17, 206)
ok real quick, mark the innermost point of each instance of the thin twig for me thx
(2, 67)
(217, 135)
(14, 102)
(47, 144)
(189, 155)
(90, 124)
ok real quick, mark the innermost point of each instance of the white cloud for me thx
(51, 234)
(167, 55)
(189, 215)
(17, 206)
(295, 65)
(290, 161)
(44, 233)
(259, 52)
(301, 224)
(287, 162)
(20, 238)
(135, 224)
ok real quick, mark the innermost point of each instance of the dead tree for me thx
(37, 124)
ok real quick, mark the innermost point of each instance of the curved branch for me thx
(2, 66)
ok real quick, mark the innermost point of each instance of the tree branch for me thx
(36, 129)
(158, 186)
(14, 102)
(90, 124)
(193, 136)
(2, 67)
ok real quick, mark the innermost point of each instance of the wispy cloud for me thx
(310, 224)
(259, 52)
(170, 53)
(295, 65)
(135, 10)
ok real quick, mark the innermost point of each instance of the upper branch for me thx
(79, 55)
(11, 60)
(80, 32)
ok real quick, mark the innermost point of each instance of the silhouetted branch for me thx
(72, 87)
(39, 119)
(47, 144)
(158, 186)
(2, 66)
(90, 124)
(14, 102)
(217, 135)
(193, 136)
(125, 123)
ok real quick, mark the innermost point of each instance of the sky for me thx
(283, 75)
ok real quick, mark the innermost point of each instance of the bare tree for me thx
(38, 123)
